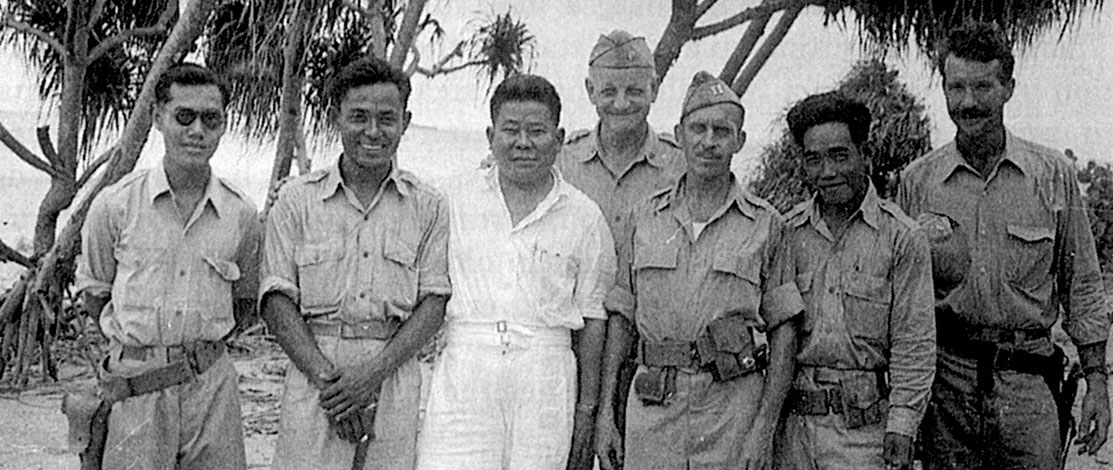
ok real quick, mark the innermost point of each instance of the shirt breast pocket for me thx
(1030, 254)
(804, 285)
(867, 305)
(138, 277)
(218, 288)
(654, 270)
(400, 285)
(321, 278)
(742, 273)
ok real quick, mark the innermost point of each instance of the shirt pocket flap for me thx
(227, 270)
(1030, 233)
(656, 256)
(744, 265)
(309, 255)
(868, 287)
(398, 251)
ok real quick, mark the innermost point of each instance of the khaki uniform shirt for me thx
(341, 261)
(671, 284)
(170, 283)
(1010, 250)
(868, 300)
(657, 165)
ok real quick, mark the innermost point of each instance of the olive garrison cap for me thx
(620, 50)
(707, 90)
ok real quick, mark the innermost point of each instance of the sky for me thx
(1062, 97)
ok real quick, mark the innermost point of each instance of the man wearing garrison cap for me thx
(619, 162)
(700, 279)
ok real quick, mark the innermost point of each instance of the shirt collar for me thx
(214, 195)
(651, 150)
(869, 210)
(953, 160)
(737, 197)
(334, 181)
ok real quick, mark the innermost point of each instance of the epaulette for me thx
(893, 209)
(577, 135)
(668, 139)
(233, 189)
(758, 202)
(797, 215)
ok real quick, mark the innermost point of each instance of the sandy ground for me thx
(34, 430)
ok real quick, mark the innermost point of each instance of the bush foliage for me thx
(900, 132)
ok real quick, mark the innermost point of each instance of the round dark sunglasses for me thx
(210, 119)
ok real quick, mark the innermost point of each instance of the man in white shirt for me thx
(531, 259)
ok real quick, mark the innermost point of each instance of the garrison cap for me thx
(620, 50)
(707, 90)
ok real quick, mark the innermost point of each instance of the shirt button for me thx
(363, 295)
(831, 289)
(182, 273)
(177, 312)
(366, 254)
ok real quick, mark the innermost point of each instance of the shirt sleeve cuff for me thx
(620, 300)
(438, 285)
(903, 421)
(92, 286)
(597, 313)
(780, 304)
(278, 284)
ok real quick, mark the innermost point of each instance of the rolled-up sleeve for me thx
(96, 268)
(780, 297)
(248, 255)
(432, 263)
(278, 271)
(620, 297)
(596, 274)
(1079, 274)
(912, 334)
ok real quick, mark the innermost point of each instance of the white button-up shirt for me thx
(552, 269)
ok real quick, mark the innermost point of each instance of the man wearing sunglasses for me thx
(169, 264)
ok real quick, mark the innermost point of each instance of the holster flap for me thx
(80, 408)
(730, 334)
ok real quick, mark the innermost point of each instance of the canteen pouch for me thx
(87, 415)
(655, 386)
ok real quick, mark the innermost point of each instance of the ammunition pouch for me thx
(655, 386)
(726, 349)
(859, 402)
(87, 411)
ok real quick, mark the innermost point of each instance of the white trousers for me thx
(502, 397)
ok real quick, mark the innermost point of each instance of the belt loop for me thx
(501, 326)
(504, 337)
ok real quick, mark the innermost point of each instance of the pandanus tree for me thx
(97, 62)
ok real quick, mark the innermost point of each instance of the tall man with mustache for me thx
(621, 162)
(531, 259)
(701, 277)
(1011, 248)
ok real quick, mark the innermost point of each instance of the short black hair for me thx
(188, 73)
(979, 42)
(369, 70)
(526, 88)
(829, 107)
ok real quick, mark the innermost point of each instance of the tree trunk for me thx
(676, 34)
(406, 33)
(293, 82)
(746, 77)
(378, 29)
(744, 48)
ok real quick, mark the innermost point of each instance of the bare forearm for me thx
(589, 360)
(414, 334)
(292, 333)
(1092, 357)
(619, 340)
(778, 377)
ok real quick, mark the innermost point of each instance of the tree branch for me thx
(766, 50)
(406, 32)
(123, 36)
(95, 13)
(93, 167)
(8, 253)
(43, 134)
(745, 46)
(703, 6)
(38, 33)
(25, 154)
(766, 7)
